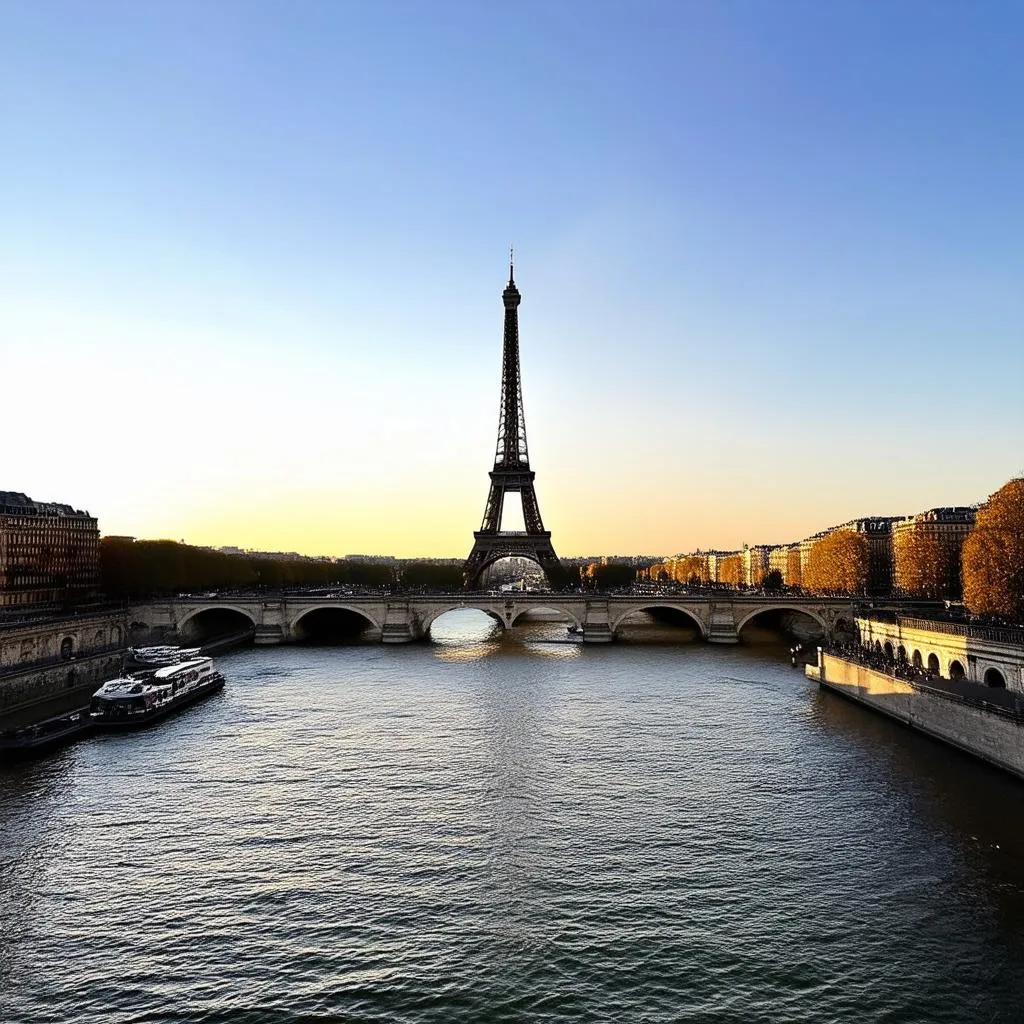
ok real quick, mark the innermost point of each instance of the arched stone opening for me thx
(546, 623)
(933, 664)
(878, 647)
(956, 670)
(995, 679)
(213, 624)
(67, 648)
(774, 625)
(460, 625)
(323, 627)
(658, 624)
(888, 652)
(844, 631)
(901, 654)
(916, 660)
(518, 572)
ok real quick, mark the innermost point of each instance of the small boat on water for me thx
(42, 737)
(158, 657)
(131, 701)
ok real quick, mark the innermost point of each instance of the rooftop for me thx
(19, 504)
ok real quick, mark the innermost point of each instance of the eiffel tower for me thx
(512, 472)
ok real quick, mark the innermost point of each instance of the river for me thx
(503, 828)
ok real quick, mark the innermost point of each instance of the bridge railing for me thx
(968, 630)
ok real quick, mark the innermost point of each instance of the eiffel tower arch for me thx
(512, 473)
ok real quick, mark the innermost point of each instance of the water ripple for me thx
(487, 832)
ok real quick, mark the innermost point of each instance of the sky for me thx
(252, 255)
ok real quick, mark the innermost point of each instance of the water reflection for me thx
(974, 807)
(506, 824)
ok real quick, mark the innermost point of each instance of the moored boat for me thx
(41, 737)
(131, 701)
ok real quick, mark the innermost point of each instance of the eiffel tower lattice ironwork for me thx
(512, 472)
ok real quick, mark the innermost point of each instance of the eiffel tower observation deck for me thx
(511, 472)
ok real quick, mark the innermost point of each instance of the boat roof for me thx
(183, 666)
(123, 687)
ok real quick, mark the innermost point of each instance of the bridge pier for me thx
(722, 624)
(266, 636)
(400, 625)
(597, 623)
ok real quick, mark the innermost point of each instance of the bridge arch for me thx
(331, 622)
(769, 608)
(479, 574)
(459, 606)
(211, 621)
(661, 606)
(547, 607)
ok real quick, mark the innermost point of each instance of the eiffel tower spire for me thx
(512, 471)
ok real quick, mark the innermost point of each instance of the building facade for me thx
(49, 554)
(778, 561)
(878, 530)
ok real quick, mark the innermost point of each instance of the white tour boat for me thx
(132, 701)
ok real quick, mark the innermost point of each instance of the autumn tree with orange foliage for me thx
(693, 567)
(993, 558)
(922, 565)
(730, 571)
(838, 564)
(794, 577)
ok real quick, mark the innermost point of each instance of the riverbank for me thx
(986, 723)
(48, 692)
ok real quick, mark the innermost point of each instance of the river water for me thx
(499, 828)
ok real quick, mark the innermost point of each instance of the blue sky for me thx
(251, 259)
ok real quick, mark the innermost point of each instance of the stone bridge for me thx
(720, 616)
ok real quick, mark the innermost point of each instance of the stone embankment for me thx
(45, 660)
(981, 721)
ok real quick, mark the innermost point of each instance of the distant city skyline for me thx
(252, 260)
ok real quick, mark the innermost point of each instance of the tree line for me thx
(988, 570)
(135, 569)
(991, 566)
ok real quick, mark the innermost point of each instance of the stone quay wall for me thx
(45, 658)
(993, 732)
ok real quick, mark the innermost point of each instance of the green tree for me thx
(444, 578)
